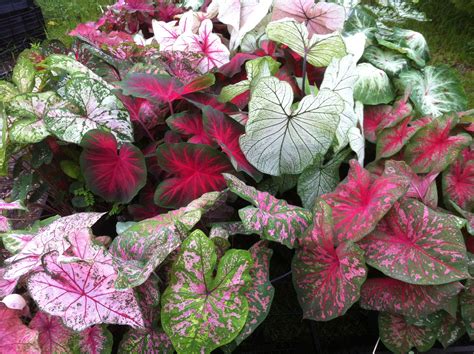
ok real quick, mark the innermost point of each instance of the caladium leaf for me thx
(397, 297)
(417, 245)
(271, 218)
(357, 141)
(399, 336)
(360, 202)
(467, 308)
(54, 337)
(7, 91)
(387, 60)
(189, 124)
(6, 286)
(392, 140)
(319, 50)
(452, 329)
(434, 90)
(146, 341)
(226, 132)
(23, 75)
(113, 174)
(196, 169)
(94, 340)
(82, 291)
(215, 308)
(373, 86)
(47, 239)
(320, 18)
(327, 275)
(433, 148)
(458, 180)
(145, 245)
(15, 337)
(295, 137)
(95, 107)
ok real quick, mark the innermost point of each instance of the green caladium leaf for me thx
(452, 329)
(404, 41)
(373, 85)
(399, 336)
(271, 218)
(200, 311)
(467, 308)
(327, 275)
(360, 20)
(7, 91)
(384, 59)
(90, 105)
(24, 75)
(434, 90)
(293, 138)
(319, 50)
(141, 341)
(256, 69)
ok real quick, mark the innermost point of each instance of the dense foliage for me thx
(191, 127)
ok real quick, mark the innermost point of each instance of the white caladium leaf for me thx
(357, 143)
(94, 107)
(387, 60)
(319, 50)
(50, 238)
(434, 90)
(355, 44)
(281, 140)
(373, 85)
(23, 75)
(7, 91)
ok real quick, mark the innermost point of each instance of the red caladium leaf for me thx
(80, 289)
(114, 176)
(327, 275)
(146, 207)
(226, 132)
(142, 111)
(201, 100)
(15, 337)
(146, 341)
(362, 200)
(189, 124)
(458, 180)
(399, 336)
(397, 297)
(53, 336)
(273, 219)
(95, 340)
(50, 238)
(417, 245)
(433, 148)
(234, 66)
(196, 169)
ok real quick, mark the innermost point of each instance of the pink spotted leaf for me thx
(417, 245)
(458, 181)
(54, 337)
(327, 275)
(15, 337)
(146, 341)
(273, 219)
(93, 340)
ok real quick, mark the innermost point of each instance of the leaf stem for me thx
(304, 73)
(274, 280)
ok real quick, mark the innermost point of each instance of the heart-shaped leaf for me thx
(434, 147)
(53, 336)
(362, 200)
(201, 312)
(417, 245)
(458, 180)
(271, 218)
(387, 60)
(15, 337)
(196, 169)
(327, 274)
(373, 85)
(280, 140)
(116, 176)
(397, 297)
(189, 124)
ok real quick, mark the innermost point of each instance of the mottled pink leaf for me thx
(82, 291)
(458, 180)
(273, 219)
(417, 245)
(362, 200)
(6, 286)
(397, 297)
(95, 340)
(146, 341)
(53, 336)
(327, 275)
(189, 124)
(15, 337)
(434, 147)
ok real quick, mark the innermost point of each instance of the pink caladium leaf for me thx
(54, 337)
(458, 180)
(362, 200)
(434, 147)
(399, 336)
(146, 341)
(196, 169)
(200, 311)
(320, 18)
(15, 337)
(397, 297)
(417, 245)
(113, 174)
(6, 286)
(94, 340)
(226, 132)
(327, 274)
(273, 219)
(49, 238)
(189, 124)
(81, 291)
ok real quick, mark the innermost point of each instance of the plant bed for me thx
(294, 181)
